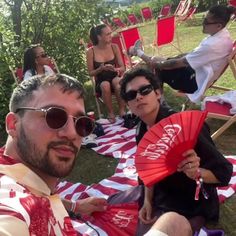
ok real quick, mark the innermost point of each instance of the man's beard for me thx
(33, 156)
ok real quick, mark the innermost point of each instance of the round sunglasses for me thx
(144, 90)
(56, 118)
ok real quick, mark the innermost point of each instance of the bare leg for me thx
(170, 224)
(106, 96)
(121, 103)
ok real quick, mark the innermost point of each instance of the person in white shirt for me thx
(36, 62)
(193, 72)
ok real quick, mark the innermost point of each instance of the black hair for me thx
(95, 31)
(222, 13)
(134, 72)
(29, 59)
(23, 93)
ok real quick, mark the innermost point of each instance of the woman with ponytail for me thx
(105, 63)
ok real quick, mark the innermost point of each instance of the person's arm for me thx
(121, 67)
(86, 206)
(145, 213)
(89, 58)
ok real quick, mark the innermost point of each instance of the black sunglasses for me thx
(205, 22)
(43, 55)
(144, 90)
(56, 118)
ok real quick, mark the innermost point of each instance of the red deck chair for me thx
(146, 13)
(165, 11)
(222, 112)
(17, 74)
(133, 20)
(128, 38)
(189, 14)
(118, 22)
(182, 8)
(165, 32)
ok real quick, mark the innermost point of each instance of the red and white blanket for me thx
(119, 142)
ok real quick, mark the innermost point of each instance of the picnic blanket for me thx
(119, 142)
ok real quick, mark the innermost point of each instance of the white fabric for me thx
(48, 71)
(228, 97)
(208, 58)
(155, 232)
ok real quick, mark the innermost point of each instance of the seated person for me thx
(175, 193)
(192, 73)
(36, 62)
(45, 127)
(105, 63)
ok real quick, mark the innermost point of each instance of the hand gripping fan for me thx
(118, 219)
(160, 150)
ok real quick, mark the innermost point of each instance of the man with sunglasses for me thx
(141, 91)
(192, 73)
(45, 126)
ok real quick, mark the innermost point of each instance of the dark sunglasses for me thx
(205, 22)
(144, 90)
(56, 118)
(43, 55)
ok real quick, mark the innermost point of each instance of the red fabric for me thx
(118, 22)
(165, 10)
(160, 150)
(19, 74)
(165, 30)
(218, 108)
(129, 37)
(146, 13)
(132, 19)
(118, 219)
(232, 2)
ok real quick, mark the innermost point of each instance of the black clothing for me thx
(176, 192)
(104, 75)
(183, 79)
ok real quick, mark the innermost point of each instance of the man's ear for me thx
(11, 120)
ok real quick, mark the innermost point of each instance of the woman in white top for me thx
(36, 62)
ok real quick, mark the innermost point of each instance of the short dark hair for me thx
(23, 93)
(132, 73)
(222, 13)
(95, 31)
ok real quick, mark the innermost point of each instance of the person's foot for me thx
(111, 118)
(133, 50)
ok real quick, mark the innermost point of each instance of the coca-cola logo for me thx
(161, 147)
(122, 219)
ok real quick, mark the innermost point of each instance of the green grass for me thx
(91, 167)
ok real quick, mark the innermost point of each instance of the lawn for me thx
(91, 167)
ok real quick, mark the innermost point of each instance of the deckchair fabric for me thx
(119, 142)
(165, 33)
(165, 11)
(118, 22)
(132, 18)
(222, 107)
(146, 13)
(182, 8)
(128, 37)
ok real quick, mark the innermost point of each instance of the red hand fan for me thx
(118, 219)
(160, 150)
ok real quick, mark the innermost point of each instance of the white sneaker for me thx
(89, 141)
(133, 50)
